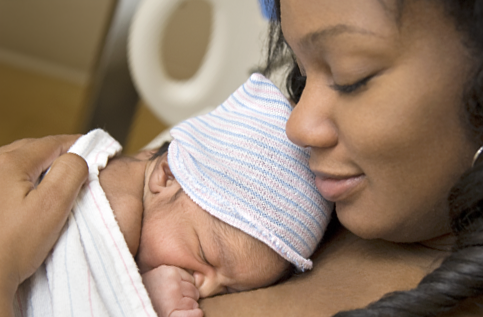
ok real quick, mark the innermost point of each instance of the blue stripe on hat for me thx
(265, 100)
(221, 210)
(281, 129)
(268, 136)
(288, 215)
(219, 140)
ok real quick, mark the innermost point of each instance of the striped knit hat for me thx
(237, 164)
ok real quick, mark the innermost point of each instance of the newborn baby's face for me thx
(177, 232)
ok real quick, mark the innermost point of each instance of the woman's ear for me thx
(161, 176)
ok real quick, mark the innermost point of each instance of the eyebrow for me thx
(316, 37)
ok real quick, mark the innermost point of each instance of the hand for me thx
(32, 215)
(172, 292)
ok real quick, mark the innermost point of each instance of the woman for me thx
(388, 97)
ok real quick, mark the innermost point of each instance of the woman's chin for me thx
(366, 233)
(370, 227)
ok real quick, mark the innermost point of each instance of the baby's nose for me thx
(208, 285)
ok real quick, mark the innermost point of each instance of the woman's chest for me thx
(348, 273)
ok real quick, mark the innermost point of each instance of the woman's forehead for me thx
(307, 19)
(423, 24)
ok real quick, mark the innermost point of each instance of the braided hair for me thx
(460, 275)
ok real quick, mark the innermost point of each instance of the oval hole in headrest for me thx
(186, 38)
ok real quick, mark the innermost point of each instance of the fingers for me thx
(55, 195)
(63, 182)
(186, 303)
(186, 285)
(41, 211)
(172, 291)
(189, 290)
(14, 145)
(33, 156)
(187, 313)
(185, 276)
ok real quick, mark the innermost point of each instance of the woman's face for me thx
(382, 111)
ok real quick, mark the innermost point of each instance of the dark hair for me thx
(160, 151)
(460, 276)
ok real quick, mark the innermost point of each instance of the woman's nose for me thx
(311, 123)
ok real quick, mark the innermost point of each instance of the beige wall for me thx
(186, 39)
(60, 34)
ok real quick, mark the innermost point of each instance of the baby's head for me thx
(233, 201)
(178, 232)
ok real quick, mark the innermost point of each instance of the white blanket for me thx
(90, 271)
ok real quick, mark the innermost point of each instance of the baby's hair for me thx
(160, 151)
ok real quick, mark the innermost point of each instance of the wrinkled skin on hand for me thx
(32, 214)
(172, 292)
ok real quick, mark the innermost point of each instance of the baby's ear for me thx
(161, 176)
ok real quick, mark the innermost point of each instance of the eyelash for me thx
(348, 89)
(343, 89)
(203, 256)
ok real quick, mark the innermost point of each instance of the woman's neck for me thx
(442, 243)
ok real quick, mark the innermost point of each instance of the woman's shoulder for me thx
(364, 270)
(370, 269)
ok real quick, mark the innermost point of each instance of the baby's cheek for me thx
(148, 256)
(142, 263)
(153, 248)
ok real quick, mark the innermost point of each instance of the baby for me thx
(228, 207)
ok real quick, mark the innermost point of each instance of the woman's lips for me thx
(337, 188)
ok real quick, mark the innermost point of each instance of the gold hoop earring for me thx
(477, 155)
